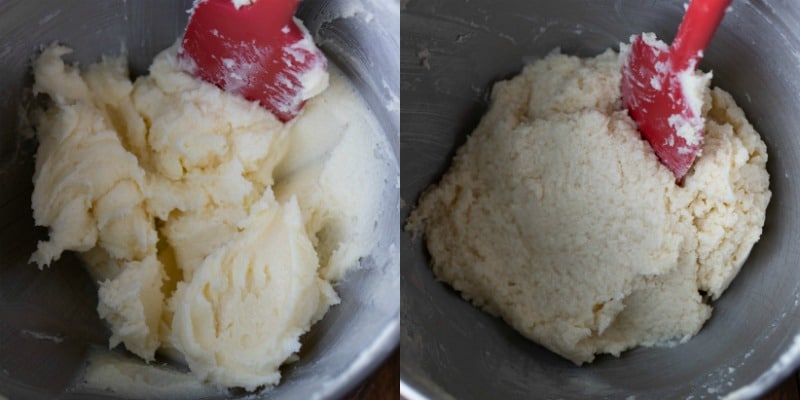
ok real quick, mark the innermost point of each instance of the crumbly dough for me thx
(558, 217)
(213, 229)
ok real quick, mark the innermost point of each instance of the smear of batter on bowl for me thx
(556, 216)
(214, 230)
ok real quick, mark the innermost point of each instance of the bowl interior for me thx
(48, 322)
(451, 54)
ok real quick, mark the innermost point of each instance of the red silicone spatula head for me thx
(256, 50)
(655, 86)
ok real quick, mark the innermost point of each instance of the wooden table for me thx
(383, 384)
(787, 390)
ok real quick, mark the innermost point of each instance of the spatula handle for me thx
(698, 26)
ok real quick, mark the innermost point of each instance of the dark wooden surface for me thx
(787, 390)
(383, 384)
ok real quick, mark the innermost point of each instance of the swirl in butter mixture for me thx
(214, 230)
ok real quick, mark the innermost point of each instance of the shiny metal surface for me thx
(452, 51)
(352, 339)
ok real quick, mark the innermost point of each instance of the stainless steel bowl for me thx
(452, 51)
(48, 322)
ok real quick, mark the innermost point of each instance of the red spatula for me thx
(256, 50)
(655, 86)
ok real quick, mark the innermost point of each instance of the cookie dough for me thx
(214, 230)
(556, 215)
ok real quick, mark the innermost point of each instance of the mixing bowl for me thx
(451, 53)
(48, 322)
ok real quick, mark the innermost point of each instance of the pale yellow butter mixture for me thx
(558, 217)
(214, 230)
